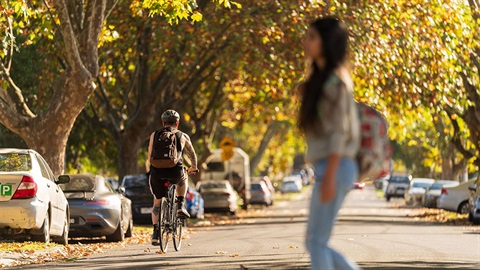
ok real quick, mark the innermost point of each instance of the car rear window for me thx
(13, 162)
(135, 182)
(79, 184)
(399, 179)
(421, 185)
(213, 185)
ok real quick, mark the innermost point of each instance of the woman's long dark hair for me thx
(334, 36)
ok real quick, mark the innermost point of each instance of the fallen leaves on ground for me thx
(221, 252)
(234, 255)
(242, 217)
(38, 253)
(441, 216)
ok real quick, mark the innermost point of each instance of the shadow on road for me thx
(179, 262)
(418, 265)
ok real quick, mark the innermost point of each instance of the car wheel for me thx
(118, 235)
(464, 208)
(44, 236)
(63, 239)
(129, 232)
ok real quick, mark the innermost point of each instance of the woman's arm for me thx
(328, 186)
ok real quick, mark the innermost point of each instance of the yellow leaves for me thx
(196, 16)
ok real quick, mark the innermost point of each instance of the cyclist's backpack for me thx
(166, 148)
(375, 152)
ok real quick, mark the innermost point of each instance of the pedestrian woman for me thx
(328, 117)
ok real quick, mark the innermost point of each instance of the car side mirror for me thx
(63, 179)
(121, 190)
(472, 188)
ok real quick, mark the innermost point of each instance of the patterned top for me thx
(338, 128)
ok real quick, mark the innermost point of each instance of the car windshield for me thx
(421, 185)
(213, 185)
(13, 162)
(135, 182)
(256, 187)
(79, 183)
(399, 179)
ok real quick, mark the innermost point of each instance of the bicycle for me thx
(169, 223)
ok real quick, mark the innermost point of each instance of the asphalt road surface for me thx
(370, 231)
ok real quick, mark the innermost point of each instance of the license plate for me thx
(5, 190)
(146, 210)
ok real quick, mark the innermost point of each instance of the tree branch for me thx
(71, 44)
(16, 94)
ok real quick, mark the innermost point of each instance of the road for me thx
(370, 231)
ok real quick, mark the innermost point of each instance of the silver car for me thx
(260, 194)
(96, 209)
(434, 191)
(31, 201)
(218, 196)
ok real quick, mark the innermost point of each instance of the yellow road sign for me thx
(227, 143)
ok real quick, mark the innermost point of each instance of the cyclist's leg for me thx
(181, 191)
(156, 210)
(159, 190)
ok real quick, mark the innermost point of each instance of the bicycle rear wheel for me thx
(163, 225)
(177, 230)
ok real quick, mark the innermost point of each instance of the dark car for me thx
(194, 203)
(96, 209)
(138, 191)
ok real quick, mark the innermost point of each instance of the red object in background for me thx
(359, 185)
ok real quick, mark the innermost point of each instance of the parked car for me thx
(266, 180)
(379, 182)
(292, 183)
(418, 187)
(260, 194)
(31, 201)
(137, 189)
(218, 195)
(396, 186)
(358, 185)
(430, 197)
(113, 182)
(455, 198)
(303, 176)
(97, 209)
(474, 202)
(194, 203)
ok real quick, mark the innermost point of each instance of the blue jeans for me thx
(322, 217)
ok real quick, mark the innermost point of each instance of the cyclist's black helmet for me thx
(170, 116)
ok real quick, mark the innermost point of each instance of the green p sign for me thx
(5, 190)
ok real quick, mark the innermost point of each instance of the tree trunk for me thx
(128, 147)
(272, 130)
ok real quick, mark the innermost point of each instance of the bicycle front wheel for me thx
(163, 225)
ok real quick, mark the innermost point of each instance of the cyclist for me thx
(176, 174)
